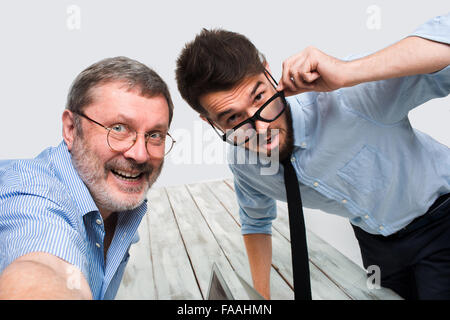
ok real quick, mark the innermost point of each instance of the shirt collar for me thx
(66, 172)
(298, 121)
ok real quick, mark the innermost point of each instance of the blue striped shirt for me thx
(356, 154)
(46, 207)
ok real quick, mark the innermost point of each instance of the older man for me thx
(69, 216)
(348, 143)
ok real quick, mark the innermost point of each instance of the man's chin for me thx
(123, 197)
(120, 201)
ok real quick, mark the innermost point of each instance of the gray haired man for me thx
(69, 216)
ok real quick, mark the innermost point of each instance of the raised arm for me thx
(426, 51)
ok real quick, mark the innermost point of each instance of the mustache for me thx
(128, 165)
(260, 137)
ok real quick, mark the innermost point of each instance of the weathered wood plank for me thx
(173, 273)
(190, 227)
(201, 246)
(321, 286)
(137, 282)
(227, 233)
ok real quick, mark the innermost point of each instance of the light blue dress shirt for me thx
(356, 154)
(46, 207)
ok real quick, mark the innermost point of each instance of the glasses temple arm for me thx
(221, 136)
(271, 77)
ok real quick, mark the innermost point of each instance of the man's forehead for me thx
(119, 101)
(112, 89)
(217, 103)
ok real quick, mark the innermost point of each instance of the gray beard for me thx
(94, 174)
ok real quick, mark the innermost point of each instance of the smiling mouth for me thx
(127, 176)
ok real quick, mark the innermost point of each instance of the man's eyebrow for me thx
(159, 126)
(223, 113)
(122, 118)
(256, 88)
(252, 93)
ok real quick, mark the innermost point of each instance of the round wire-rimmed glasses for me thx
(271, 110)
(121, 138)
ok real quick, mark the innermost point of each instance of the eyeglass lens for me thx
(245, 131)
(121, 138)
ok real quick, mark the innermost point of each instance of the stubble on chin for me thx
(287, 145)
(286, 142)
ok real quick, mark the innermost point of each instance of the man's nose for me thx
(138, 152)
(261, 126)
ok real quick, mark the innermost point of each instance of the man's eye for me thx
(232, 119)
(258, 97)
(156, 135)
(119, 128)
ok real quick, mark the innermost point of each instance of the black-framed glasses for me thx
(121, 138)
(271, 110)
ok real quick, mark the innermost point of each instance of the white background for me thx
(42, 51)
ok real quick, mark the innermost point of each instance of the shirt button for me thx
(366, 216)
(381, 228)
(97, 245)
(292, 159)
(98, 221)
(315, 184)
(303, 144)
(344, 201)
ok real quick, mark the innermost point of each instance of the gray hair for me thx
(132, 72)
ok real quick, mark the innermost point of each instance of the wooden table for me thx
(189, 227)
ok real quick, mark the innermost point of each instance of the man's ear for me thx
(68, 128)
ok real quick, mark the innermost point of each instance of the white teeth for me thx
(127, 174)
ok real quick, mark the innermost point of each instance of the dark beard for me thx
(288, 145)
(284, 148)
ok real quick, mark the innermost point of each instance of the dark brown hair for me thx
(215, 60)
(133, 73)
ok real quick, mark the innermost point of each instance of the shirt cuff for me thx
(251, 225)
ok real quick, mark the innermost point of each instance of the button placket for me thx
(100, 231)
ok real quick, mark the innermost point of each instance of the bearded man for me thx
(69, 216)
(341, 133)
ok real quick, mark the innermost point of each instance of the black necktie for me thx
(299, 249)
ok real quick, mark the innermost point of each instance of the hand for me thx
(312, 70)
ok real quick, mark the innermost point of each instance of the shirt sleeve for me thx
(436, 29)
(256, 210)
(31, 223)
(389, 101)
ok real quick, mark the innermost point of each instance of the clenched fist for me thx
(312, 70)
